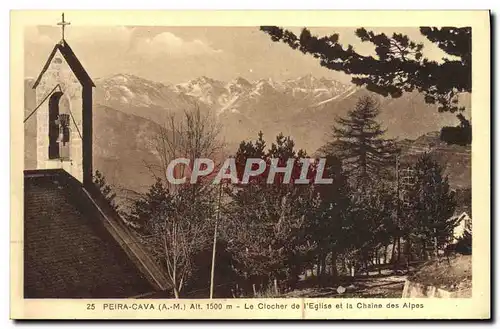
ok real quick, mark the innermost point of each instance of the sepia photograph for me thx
(247, 162)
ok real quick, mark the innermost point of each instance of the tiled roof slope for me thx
(72, 251)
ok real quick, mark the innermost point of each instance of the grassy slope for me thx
(454, 275)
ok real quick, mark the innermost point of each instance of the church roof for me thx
(72, 61)
(74, 247)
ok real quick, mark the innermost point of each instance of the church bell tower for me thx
(64, 119)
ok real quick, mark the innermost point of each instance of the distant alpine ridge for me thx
(304, 108)
(129, 109)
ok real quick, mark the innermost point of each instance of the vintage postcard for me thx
(250, 165)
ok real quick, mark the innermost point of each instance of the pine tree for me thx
(248, 150)
(327, 222)
(431, 207)
(460, 134)
(464, 243)
(266, 221)
(399, 65)
(174, 228)
(152, 208)
(106, 190)
(358, 141)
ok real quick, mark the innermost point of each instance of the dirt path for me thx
(373, 286)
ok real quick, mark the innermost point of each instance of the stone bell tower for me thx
(64, 120)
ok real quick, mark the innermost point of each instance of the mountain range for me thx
(128, 111)
(304, 108)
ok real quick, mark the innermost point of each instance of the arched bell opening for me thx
(59, 123)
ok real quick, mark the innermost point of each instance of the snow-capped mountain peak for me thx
(236, 96)
(238, 85)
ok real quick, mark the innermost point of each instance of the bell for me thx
(63, 136)
(63, 122)
(60, 137)
(63, 119)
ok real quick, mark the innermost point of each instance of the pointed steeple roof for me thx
(72, 61)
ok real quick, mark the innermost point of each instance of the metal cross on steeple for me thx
(63, 25)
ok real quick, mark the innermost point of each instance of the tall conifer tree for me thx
(358, 140)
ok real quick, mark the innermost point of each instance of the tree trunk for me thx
(436, 252)
(399, 248)
(335, 273)
(408, 254)
(323, 265)
(385, 254)
(393, 253)
(377, 260)
(424, 250)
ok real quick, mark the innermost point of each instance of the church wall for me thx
(60, 73)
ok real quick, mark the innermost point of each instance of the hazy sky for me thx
(178, 54)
